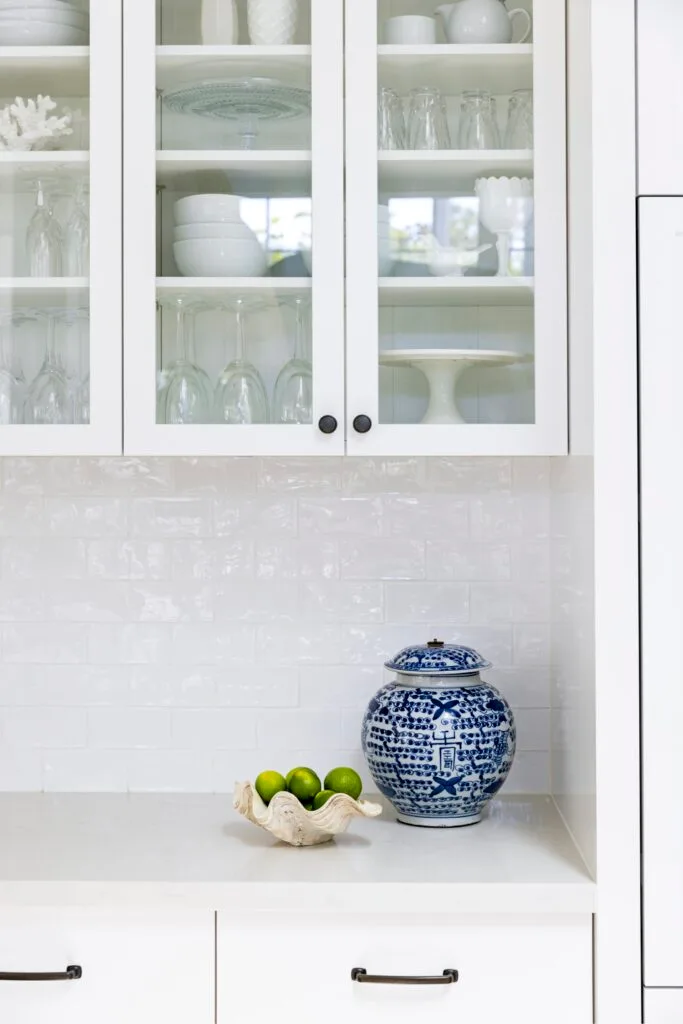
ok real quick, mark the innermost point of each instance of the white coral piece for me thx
(27, 125)
(288, 821)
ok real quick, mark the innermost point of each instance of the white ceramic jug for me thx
(272, 22)
(481, 21)
(220, 26)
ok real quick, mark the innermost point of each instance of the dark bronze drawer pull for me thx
(449, 977)
(72, 973)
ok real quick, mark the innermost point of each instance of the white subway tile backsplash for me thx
(176, 624)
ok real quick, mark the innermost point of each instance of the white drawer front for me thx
(137, 968)
(663, 1005)
(298, 970)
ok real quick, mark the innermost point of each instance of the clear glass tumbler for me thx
(391, 122)
(478, 127)
(427, 122)
(519, 133)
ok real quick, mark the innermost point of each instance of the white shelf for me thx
(34, 292)
(109, 849)
(456, 291)
(246, 172)
(216, 287)
(448, 171)
(453, 69)
(24, 166)
(289, 64)
(51, 70)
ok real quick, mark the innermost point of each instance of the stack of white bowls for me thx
(212, 240)
(43, 23)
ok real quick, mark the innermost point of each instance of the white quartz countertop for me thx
(109, 850)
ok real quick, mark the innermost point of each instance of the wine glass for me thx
(75, 368)
(44, 238)
(186, 396)
(48, 399)
(240, 395)
(293, 395)
(77, 235)
(12, 379)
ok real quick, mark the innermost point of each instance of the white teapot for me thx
(481, 21)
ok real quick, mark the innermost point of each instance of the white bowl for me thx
(48, 15)
(220, 257)
(234, 229)
(40, 33)
(208, 209)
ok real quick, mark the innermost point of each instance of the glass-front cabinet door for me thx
(234, 226)
(456, 233)
(60, 227)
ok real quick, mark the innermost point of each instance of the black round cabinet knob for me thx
(328, 424)
(362, 424)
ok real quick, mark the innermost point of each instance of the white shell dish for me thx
(288, 821)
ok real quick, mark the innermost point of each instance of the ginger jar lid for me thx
(437, 659)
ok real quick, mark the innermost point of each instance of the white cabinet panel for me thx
(660, 99)
(661, 368)
(663, 1005)
(138, 968)
(298, 971)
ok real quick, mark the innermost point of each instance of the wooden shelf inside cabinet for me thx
(50, 70)
(448, 171)
(456, 291)
(283, 172)
(453, 69)
(215, 288)
(41, 292)
(289, 64)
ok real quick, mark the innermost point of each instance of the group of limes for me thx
(305, 785)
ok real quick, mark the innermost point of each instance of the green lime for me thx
(307, 805)
(344, 780)
(299, 769)
(322, 799)
(304, 784)
(269, 784)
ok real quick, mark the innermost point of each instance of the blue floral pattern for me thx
(438, 659)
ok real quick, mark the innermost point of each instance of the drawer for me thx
(298, 969)
(137, 968)
(663, 1005)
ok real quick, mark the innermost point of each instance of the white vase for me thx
(220, 24)
(272, 22)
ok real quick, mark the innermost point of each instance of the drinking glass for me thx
(48, 399)
(240, 396)
(520, 127)
(12, 380)
(427, 123)
(391, 123)
(44, 239)
(293, 395)
(478, 128)
(77, 235)
(186, 397)
(74, 365)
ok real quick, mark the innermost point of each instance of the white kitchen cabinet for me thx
(299, 968)
(663, 1006)
(137, 967)
(60, 306)
(660, 103)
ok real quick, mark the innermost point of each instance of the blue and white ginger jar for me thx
(439, 741)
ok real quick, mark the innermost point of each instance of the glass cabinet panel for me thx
(234, 180)
(459, 165)
(60, 229)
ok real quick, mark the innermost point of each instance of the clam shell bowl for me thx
(288, 821)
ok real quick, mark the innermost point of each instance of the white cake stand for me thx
(443, 368)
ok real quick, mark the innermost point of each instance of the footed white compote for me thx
(505, 205)
(443, 368)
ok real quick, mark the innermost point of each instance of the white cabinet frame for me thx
(142, 434)
(103, 435)
(549, 434)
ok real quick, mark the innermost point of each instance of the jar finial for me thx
(436, 643)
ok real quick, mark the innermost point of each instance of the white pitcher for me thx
(272, 22)
(220, 25)
(481, 21)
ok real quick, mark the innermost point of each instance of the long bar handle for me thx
(72, 973)
(359, 974)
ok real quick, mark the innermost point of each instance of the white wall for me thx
(178, 624)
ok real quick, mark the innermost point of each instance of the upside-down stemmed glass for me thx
(240, 396)
(44, 237)
(293, 395)
(186, 393)
(48, 399)
(12, 379)
(75, 369)
(77, 235)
